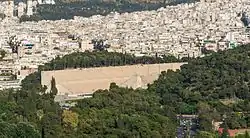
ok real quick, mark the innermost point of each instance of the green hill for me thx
(67, 9)
(201, 87)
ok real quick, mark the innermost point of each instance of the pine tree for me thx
(53, 90)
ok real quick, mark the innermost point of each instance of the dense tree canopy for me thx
(2, 54)
(32, 105)
(214, 87)
(67, 9)
(25, 18)
(221, 81)
(102, 58)
(107, 114)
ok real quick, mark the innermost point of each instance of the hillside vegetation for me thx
(198, 88)
(67, 9)
(127, 1)
(103, 58)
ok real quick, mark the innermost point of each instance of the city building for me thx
(29, 7)
(183, 30)
(21, 9)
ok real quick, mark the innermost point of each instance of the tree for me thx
(53, 91)
(25, 130)
(205, 122)
(7, 130)
(247, 135)
(51, 126)
(70, 118)
(2, 15)
(113, 86)
(25, 18)
(204, 134)
(20, 130)
(2, 53)
(210, 87)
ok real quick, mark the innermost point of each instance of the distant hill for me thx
(67, 9)
(128, 1)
